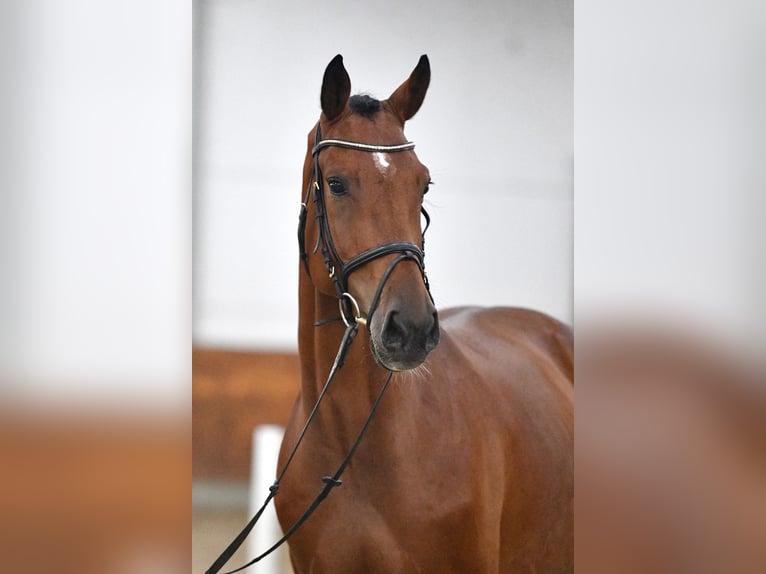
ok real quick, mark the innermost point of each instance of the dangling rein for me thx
(351, 316)
(330, 482)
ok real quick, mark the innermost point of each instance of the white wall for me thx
(670, 171)
(496, 131)
(95, 214)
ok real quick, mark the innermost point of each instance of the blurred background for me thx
(95, 270)
(496, 132)
(670, 261)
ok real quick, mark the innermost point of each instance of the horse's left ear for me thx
(336, 87)
(407, 98)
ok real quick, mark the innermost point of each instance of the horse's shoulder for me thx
(513, 326)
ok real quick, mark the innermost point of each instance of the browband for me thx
(339, 275)
(362, 146)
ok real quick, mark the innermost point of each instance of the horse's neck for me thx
(356, 384)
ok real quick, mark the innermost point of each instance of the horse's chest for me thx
(386, 519)
(356, 535)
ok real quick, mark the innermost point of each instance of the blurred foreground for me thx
(93, 494)
(670, 454)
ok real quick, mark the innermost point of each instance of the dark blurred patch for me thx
(671, 455)
(91, 494)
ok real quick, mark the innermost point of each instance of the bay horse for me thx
(468, 463)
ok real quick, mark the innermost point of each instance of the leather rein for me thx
(351, 316)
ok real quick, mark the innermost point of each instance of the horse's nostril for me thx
(399, 333)
(433, 333)
(394, 332)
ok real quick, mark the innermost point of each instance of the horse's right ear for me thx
(336, 88)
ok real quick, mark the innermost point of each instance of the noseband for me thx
(339, 270)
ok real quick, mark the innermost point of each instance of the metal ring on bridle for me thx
(358, 314)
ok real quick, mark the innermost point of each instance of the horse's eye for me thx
(337, 188)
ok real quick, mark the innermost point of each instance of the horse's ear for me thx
(336, 87)
(407, 98)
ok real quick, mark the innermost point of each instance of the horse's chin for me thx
(396, 361)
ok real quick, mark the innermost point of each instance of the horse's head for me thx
(365, 217)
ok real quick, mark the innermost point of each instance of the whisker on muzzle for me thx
(418, 374)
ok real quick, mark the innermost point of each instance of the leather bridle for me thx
(339, 272)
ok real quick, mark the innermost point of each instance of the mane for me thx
(364, 105)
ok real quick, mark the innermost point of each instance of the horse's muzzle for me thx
(402, 340)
